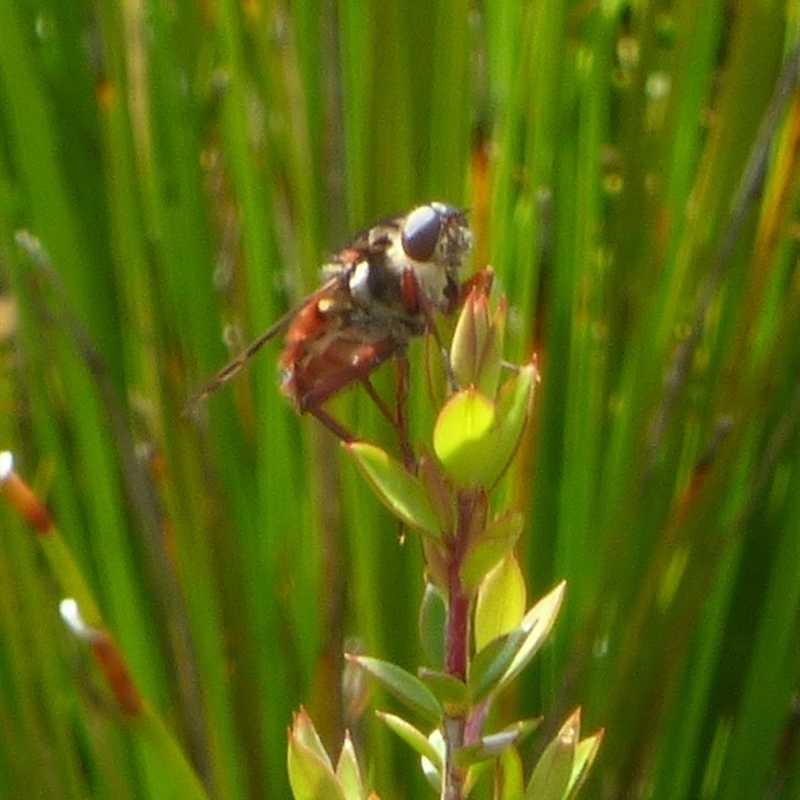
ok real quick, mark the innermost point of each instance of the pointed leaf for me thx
(508, 781)
(439, 492)
(399, 490)
(310, 771)
(435, 562)
(403, 685)
(551, 776)
(493, 744)
(501, 601)
(448, 690)
(491, 365)
(477, 345)
(514, 403)
(432, 617)
(413, 737)
(305, 733)
(486, 747)
(536, 624)
(499, 536)
(433, 769)
(490, 664)
(584, 756)
(348, 772)
(469, 338)
(309, 777)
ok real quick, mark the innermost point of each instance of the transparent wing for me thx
(235, 365)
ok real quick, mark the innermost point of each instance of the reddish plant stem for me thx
(457, 633)
(458, 599)
(459, 605)
(456, 662)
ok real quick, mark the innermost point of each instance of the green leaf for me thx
(433, 769)
(500, 661)
(494, 744)
(552, 775)
(435, 562)
(403, 685)
(470, 339)
(400, 491)
(310, 771)
(514, 403)
(584, 757)
(536, 624)
(413, 737)
(499, 536)
(508, 782)
(448, 690)
(462, 436)
(432, 618)
(309, 777)
(348, 772)
(491, 364)
(305, 734)
(501, 601)
(490, 664)
(475, 438)
(476, 352)
(485, 748)
(439, 492)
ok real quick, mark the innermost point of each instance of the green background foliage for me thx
(187, 167)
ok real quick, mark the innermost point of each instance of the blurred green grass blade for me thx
(579, 294)
(31, 678)
(440, 86)
(771, 680)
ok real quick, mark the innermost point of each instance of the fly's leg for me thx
(336, 428)
(399, 421)
(409, 459)
(312, 403)
(379, 401)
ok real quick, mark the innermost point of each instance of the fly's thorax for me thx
(373, 282)
(432, 241)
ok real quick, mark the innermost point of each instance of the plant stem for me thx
(457, 633)
(453, 774)
(456, 656)
(459, 604)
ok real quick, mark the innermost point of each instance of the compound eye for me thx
(421, 232)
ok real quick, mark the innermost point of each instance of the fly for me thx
(378, 293)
